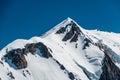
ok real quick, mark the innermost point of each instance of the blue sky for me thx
(27, 18)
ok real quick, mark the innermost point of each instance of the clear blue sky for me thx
(27, 18)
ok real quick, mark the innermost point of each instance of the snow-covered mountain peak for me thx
(66, 52)
(67, 30)
(69, 19)
(64, 27)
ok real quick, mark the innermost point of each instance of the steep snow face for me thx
(66, 52)
(111, 40)
(76, 50)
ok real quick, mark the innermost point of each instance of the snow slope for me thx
(73, 58)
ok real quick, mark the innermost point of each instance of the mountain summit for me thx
(66, 52)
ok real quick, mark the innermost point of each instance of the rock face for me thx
(10, 75)
(72, 34)
(61, 30)
(17, 56)
(110, 70)
(71, 76)
(41, 47)
(86, 44)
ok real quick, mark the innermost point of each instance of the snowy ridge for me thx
(62, 24)
(57, 27)
(66, 52)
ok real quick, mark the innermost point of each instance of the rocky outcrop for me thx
(61, 30)
(72, 34)
(75, 38)
(71, 75)
(86, 44)
(17, 56)
(68, 35)
(41, 47)
(110, 70)
(10, 75)
(44, 50)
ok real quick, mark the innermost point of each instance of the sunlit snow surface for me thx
(81, 62)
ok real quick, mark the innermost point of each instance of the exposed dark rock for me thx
(25, 51)
(110, 70)
(1, 63)
(19, 61)
(72, 34)
(26, 72)
(61, 30)
(75, 28)
(30, 48)
(17, 58)
(2, 58)
(50, 50)
(75, 38)
(11, 53)
(68, 35)
(17, 55)
(87, 41)
(43, 49)
(76, 45)
(62, 67)
(11, 75)
(71, 76)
